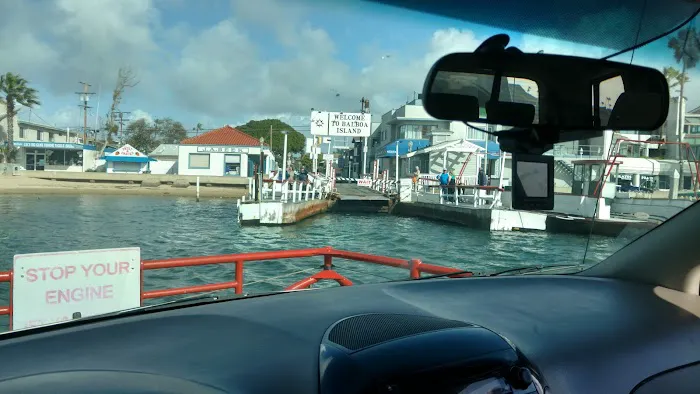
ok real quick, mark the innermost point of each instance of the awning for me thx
(389, 150)
(129, 159)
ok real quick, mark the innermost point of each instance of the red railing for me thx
(414, 266)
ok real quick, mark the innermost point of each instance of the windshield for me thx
(162, 150)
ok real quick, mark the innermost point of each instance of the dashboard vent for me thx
(359, 332)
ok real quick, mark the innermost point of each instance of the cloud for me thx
(140, 114)
(260, 59)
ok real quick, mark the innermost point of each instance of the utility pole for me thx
(85, 97)
(121, 122)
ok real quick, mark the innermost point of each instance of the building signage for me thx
(221, 149)
(127, 151)
(47, 145)
(54, 287)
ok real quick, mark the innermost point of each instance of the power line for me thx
(121, 121)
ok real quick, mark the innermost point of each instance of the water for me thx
(178, 227)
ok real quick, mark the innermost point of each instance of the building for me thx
(223, 152)
(127, 160)
(166, 156)
(409, 128)
(42, 147)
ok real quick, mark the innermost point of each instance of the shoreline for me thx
(18, 185)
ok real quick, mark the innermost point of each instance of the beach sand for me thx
(26, 185)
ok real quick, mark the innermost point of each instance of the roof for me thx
(450, 146)
(165, 150)
(127, 153)
(24, 123)
(226, 135)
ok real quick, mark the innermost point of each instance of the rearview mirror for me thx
(546, 91)
(533, 182)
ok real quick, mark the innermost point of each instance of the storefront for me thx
(50, 156)
(127, 160)
(223, 152)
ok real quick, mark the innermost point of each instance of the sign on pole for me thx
(319, 123)
(54, 287)
(349, 124)
(343, 124)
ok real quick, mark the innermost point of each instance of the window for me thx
(38, 135)
(233, 165)
(21, 132)
(199, 160)
(415, 131)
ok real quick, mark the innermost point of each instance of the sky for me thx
(220, 62)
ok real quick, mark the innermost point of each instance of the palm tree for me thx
(686, 51)
(674, 77)
(14, 90)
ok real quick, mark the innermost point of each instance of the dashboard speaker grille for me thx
(359, 332)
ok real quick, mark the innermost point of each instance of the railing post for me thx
(12, 285)
(294, 191)
(239, 277)
(414, 267)
(327, 258)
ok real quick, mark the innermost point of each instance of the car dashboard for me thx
(519, 334)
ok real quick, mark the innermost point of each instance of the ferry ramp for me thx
(353, 198)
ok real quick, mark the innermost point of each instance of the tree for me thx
(307, 161)
(146, 136)
(686, 51)
(169, 131)
(14, 91)
(261, 128)
(126, 78)
(674, 77)
(141, 135)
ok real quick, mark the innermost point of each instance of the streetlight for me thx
(410, 149)
(397, 162)
(260, 170)
(284, 156)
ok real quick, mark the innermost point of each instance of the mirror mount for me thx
(526, 140)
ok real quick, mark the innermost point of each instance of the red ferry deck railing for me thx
(414, 266)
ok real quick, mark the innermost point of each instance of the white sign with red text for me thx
(54, 287)
(366, 182)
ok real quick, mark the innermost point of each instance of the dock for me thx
(283, 203)
(360, 199)
(480, 207)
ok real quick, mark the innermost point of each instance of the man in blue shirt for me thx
(444, 179)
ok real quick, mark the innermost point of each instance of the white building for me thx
(166, 156)
(42, 147)
(127, 160)
(222, 152)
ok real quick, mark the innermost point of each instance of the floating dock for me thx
(283, 203)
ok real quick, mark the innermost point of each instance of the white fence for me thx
(464, 192)
(317, 187)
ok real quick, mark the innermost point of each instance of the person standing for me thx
(444, 180)
(416, 177)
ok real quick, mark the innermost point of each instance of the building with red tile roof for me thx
(226, 135)
(226, 151)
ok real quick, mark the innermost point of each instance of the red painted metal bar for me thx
(415, 268)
